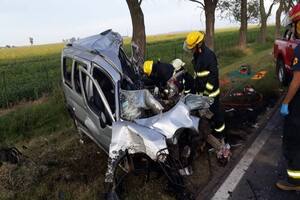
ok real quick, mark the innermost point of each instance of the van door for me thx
(98, 91)
(78, 105)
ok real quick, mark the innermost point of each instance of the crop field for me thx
(28, 73)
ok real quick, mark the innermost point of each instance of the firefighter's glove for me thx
(284, 111)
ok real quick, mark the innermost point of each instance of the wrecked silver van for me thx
(105, 97)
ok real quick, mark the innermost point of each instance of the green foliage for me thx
(231, 9)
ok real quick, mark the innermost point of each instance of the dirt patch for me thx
(22, 104)
(54, 167)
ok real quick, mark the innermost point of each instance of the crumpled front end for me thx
(169, 139)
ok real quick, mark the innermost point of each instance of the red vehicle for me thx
(284, 55)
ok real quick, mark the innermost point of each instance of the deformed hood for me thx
(178, 117)
(135, 139)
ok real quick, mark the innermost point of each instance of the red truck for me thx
(284, 55)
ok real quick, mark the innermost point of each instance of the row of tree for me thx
(243, 11)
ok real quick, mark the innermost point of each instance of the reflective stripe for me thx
(293, 174)
(209, 86)
(202, 74)
(220, 129)
(214, 94)
(206, 92)
(187, 91)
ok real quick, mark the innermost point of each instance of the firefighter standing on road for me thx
(290, 109)
(206, 75)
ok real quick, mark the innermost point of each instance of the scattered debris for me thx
(245, 69)
(259, 75)
(242, 106)
(224, 81)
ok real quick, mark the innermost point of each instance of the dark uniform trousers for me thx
(291, 140)
(207, 83)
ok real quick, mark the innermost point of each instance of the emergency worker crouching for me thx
(165, 74)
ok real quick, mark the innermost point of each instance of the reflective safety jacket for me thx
(206, 73)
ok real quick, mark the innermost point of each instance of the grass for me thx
(41, 119)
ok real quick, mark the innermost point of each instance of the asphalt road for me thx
(257, 180)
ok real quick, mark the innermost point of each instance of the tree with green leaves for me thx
(243, 11)
(31, 40)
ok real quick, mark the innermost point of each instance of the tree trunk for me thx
(210, 7)
(263, 22)
(244, 25)
(263, 31)
(138, 28)
(278, 19)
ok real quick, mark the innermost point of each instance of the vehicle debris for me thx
(242, 106)
(259, 75)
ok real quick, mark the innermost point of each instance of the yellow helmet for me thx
(148, 65)
(194, 38)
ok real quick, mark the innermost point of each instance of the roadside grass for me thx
(35, 120)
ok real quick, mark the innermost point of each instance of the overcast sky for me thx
(50, 21)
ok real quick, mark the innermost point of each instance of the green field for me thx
(27, 73)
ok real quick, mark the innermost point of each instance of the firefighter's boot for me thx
(284, 185)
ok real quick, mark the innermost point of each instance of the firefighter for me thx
(206, 74)
(160, 73)
(290, 109)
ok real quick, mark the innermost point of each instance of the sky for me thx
(51, 21)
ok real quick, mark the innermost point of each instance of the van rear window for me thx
(67, 70)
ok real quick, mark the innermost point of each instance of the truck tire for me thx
(281, 72)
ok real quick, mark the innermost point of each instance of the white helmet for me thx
(177, 64)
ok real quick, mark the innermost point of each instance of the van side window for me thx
(107, 87)
(76, 76)
(67, 70)
(94, 99)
